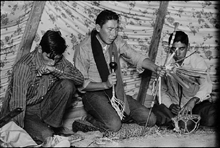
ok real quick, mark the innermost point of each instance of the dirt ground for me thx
(169, 140)
(162, 138)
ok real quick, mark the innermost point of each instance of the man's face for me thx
(48, 58)
(180, 49)
(51, 59)
(109, 31)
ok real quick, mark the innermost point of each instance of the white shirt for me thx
(169, 92)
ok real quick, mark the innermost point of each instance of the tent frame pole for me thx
(146, 75)
(30, 29)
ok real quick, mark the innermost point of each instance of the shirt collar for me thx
(104, 46)
(38, 60)
(187, 60)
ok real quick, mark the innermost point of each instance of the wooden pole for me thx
(146, 75)
(30, 29)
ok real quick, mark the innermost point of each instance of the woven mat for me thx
(135, 130)
(130, 130)
(99, 138)
(96, 138)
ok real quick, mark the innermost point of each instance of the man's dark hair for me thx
(52, 42)
(180, 37)
(106, 15)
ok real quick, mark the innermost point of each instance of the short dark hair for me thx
(53, 42)
(106, 15)
(180, 36)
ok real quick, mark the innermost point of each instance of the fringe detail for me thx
(119, 106)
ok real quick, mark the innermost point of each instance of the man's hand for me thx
(111, 80)
(174, 108)
(45, 70)
(188, 107)
(171, 68)
(161, 71)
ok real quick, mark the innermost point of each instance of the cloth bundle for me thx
(11, 135)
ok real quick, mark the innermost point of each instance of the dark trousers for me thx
(41, 119)
(104, 116)
(163, 115)
(205, 109)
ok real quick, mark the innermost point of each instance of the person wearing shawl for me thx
(92, 58)
(193, 99)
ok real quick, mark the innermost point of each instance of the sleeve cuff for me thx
(203, 98)
(58, 72)
(85, 84)
(139, 67)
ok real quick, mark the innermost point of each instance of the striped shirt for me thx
(85, 62)
(25, 88)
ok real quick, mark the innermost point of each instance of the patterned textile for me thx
(75, 19)
(126, 131)
(25, 88)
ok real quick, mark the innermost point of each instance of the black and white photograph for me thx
(109, 74)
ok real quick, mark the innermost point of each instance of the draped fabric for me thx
(75, 19)
(14, 17)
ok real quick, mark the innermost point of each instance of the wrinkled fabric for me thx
(169, 86)
(26, 88)
(13, 135)
(50, 111)
(103, 70)
(85, 62)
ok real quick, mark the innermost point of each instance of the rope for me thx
(158, 80)
(117, 104)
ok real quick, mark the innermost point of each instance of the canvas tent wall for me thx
(20, 20)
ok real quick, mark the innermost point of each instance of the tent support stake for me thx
(146, 75)
(30, 29)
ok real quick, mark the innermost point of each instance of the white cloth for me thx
(13, 135)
